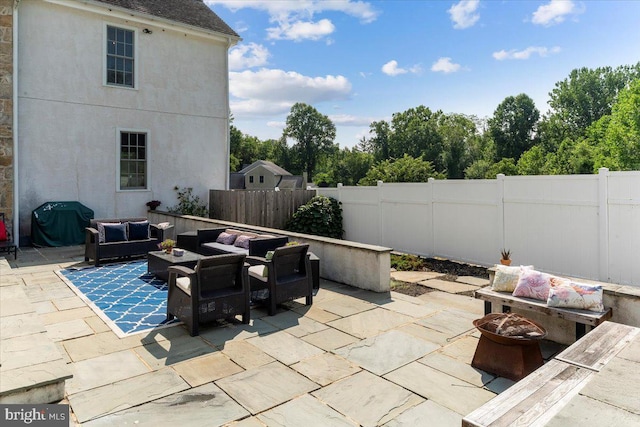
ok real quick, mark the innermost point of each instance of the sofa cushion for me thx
(115, 233)
(242, 241)
(570, 294)
(219, 247)
(100, 226)
(226, 238)
(138, 230)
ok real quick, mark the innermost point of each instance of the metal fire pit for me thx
(509, 345)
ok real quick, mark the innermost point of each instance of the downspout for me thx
(16, 196)
(228, 124)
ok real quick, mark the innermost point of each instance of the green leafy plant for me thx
(321, 216)
(407, 262)
(189, 204)
(167, 244)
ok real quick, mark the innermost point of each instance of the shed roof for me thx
(190, 12)
(270, 166)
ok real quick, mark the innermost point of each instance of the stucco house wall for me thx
(69, 120)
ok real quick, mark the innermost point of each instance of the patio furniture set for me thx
(219, 273)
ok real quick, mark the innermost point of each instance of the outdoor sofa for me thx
(121, 237)
(220, 241)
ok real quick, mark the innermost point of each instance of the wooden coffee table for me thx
(158, 262)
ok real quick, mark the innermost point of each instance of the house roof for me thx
(190, 12)
(270, 166)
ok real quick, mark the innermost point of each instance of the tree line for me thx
(593, 122)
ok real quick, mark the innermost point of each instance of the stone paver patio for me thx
(354, 358)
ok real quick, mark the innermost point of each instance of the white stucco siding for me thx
(68, 118)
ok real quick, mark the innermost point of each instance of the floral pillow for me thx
(506, 278)
(569, 294)
(243, 241)
(534, 284)
(226, 238)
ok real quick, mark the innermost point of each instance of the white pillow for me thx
(506, 278)
(570, 294)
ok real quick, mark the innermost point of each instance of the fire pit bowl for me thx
(510, 329)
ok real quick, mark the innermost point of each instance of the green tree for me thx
(513, 126)
(621, 144)
(313, 132)
(347, 166)
(589, 94)
(532, 161)
(405, 169)
(459, 141)
(505, 166)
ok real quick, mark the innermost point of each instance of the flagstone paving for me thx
(353, 358)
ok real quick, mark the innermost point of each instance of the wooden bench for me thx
(505, 301)
(539, 397)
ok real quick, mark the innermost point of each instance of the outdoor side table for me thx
(188, 240)
(158, 262)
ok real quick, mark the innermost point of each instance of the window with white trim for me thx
(120, 57)
(133, 160)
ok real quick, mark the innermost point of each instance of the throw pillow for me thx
(3, 232)
(115, 233)
(534, 284)
(226, 238)
(138, 230)
(101, 229)
(506, 278)
(570, 294)
(243, 241)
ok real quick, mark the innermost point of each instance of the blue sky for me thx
(362, 61)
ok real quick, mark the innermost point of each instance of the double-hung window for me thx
(133, 160)
(120, 57)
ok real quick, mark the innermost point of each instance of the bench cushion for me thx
(506, 278)
(534, 284)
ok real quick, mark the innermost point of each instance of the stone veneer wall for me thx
(7, 198)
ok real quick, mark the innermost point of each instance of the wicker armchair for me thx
(218, 288)
(287, 277)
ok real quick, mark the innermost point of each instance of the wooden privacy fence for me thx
(265, 208)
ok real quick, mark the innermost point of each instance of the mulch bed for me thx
(450, 270)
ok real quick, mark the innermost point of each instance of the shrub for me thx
(321, 216)
(188, 204)
(407, 262)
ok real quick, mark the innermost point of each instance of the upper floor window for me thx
(251, 179)
(120, 57)
(133, 160)
(261, 179)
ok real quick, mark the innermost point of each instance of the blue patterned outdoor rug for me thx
(124, 295)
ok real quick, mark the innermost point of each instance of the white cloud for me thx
(463, 14)
(391, 69)
(350, 120)
(300, 30)
(288, 10)
(248, 56)
(272, 91)
(444, 65)
(525, 53)
(554, 12)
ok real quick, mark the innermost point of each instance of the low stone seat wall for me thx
(352, 263)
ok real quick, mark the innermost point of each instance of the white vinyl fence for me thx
(578, 225)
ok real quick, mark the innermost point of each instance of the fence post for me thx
(380, 216)
(603, 224)
(432, 221)
(500, 211)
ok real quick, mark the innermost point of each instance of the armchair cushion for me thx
(260, 272)
(184, 283)
(115, 233)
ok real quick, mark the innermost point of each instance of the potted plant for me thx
(167, 245)
(506, 257)
(153, 204)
